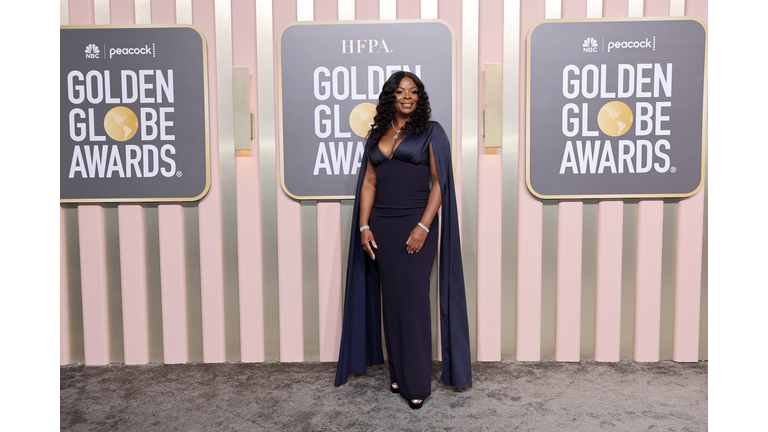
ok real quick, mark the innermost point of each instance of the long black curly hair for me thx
(385, 110)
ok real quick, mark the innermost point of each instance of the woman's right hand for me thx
(368, 242)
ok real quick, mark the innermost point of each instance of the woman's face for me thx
(406, 97)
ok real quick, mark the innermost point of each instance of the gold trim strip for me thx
(668, 270)
(594, 8)
(183, 11)
(101, 12)
(74, 292)
(346, 10)
(267, 174)
(387, 9)
(552, 9)
(548, 278)
(309, 280)
(588, 279)
(143, 11)
(429, 11)
(347, 207)
(64, 12)
(194, 284)
(154, 296)
(612, 196)
(635, 8)
(676, 7)
(470, 23)
(628, 270)
(305, 10)
(510, 110)
(703, 315)
(114, 283)
(226, 115)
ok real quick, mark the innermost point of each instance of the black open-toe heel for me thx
(415, 405)
(393, 388)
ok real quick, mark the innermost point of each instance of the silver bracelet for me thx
(364, 227)
(425, 228)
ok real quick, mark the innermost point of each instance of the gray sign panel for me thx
(134, 114)
(330, 77)
(616, 108)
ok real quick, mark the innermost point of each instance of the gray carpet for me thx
(507, 395)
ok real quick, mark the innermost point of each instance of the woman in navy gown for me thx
(407, 177)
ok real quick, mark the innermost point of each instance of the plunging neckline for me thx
(396, 147)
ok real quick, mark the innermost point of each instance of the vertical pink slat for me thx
(450, 12)
(173, 283)
(697, 8)
(290, 297)
(408, 9)
(329, 278)
(529, 218)
(64, 351)
(133, 283)
(93, 280)
(121, 12)
(133, 269)
(690, 226)
(249, 258)
(650, 229)
(570, 215)
(163, 11)
(610, 222)
(656, 8)
(615, 8)
(574, 9)
(366, 9)
(489, 258)
(173, 276)
(489, 199)
(81, 12)
(93, 264)
(568, 301)
(211, 253)
(610, 217)
(326, 10)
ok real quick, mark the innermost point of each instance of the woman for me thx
(395, 203)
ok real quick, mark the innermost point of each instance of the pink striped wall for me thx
(570, 237)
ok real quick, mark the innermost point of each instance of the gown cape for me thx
(361, 332)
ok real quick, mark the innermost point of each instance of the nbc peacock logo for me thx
(92, 51)
(589, 45)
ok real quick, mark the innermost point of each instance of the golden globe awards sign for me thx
(330, 76)
(616, 108)
(134, 114)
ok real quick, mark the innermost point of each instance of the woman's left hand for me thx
(416, 239)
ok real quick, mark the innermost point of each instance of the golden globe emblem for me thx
(361, 118)
(121, 123)
(615, 118)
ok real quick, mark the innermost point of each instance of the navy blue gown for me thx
(401, 280)
(402, 193)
